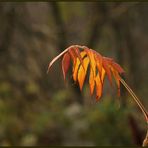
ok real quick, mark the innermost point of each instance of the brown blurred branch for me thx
(121, 9)
(133, 53)
(60, 25)
(106, 16)
(100, 11)
(63, 40)
(7, 38)
(118, 26)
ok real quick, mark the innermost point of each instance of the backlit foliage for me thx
(99, 66)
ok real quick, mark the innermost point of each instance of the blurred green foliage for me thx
(60, 121)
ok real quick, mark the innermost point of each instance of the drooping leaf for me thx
(79, 55)
(100, 66)
(92, 61)
(56, 58)
(91, 81)
(117, 67)
(82, 72)
(98, 87)
(77, 65)
(98, 59)
(106, 66)
(75, 71)
(73, 56)
(99, 84)
(103, 75)
(65, 64)
(117, 79)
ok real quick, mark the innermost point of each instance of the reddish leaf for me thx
(77, 52)
(98, 59)
(99, 84)
(117, 67)
(73, 56)
(107, 69)
(56, 58)
(65, 64)
(117, 79)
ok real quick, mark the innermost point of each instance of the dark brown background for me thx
(41, 109)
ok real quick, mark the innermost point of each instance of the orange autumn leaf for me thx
(99, 84)
(99, 59)
(77, 64)
(75, 69)
(91, 82)
(98, 87)
(82, 72)
(82, 57)
(92, 61)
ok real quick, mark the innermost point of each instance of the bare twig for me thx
(142, 108)
(136, 99)
(60, 24)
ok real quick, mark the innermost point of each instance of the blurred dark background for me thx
(37, 108)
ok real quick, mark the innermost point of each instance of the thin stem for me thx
(145, 141)
(136, 99)
(143, 109)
